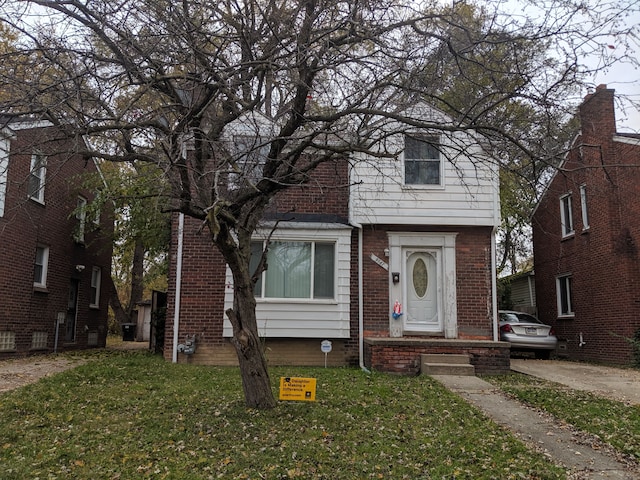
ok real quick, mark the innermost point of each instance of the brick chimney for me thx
(597, 113)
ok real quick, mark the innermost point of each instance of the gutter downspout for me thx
(360, 297)
(176, 305)
(494, 285)
(360, 301)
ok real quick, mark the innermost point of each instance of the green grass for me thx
(132, 415)
(613, 422)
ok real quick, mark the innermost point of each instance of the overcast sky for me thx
(623, 76)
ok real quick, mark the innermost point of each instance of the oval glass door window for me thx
(420, 278)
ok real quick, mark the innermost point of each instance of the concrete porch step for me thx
(450, 358)
(446, 364)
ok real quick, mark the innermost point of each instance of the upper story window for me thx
(4, 167)
(81, 216)
(296, 269)
(583, 204)
(95, 217)
(250, 153)
(40, 266)
(422, 160)
(96, 280)
(37, 176)
(566, 215)
(564, 295)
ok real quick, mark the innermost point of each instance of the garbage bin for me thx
(128, 332)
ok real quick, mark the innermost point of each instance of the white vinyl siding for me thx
(305, 317)
(467, 193)
(250, 153)
(523, 292)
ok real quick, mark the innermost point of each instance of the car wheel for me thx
(543, 354)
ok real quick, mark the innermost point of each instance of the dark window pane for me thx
(323, 278)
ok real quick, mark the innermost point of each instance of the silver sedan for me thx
(526, 333)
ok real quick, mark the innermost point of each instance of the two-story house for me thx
(586, 230)
(386, 258)
(55, 257)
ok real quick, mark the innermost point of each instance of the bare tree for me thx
(295, 84)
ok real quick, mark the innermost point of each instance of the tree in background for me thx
(302, 82)
(141, 234)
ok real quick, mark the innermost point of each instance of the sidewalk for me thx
(544, 433)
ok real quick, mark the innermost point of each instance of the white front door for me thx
(422, 290)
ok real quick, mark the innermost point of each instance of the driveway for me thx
(23, 371)
(18, 372)
(621, 384)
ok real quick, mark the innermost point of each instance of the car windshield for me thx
(517, 317)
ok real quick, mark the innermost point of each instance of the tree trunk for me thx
(115, 304)
(253, 364)
(249, 349)
(137, 277)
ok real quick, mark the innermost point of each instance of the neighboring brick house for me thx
(418, 229)
(586, 230)
(55, 259)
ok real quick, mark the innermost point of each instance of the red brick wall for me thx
(203, 284)
(473, 282)
(376, 309)
(602, 260)
(26, 224)
(403, 357)
(326, 194)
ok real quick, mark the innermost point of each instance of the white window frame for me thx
(436, 141)
(4, 167)
(583, 206)
(96, 282)
(564, 284)
(42, 281)
(81, 216)
(38, 171)
(262, 294)
(566, 215)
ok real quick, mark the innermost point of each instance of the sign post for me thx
(325, 346)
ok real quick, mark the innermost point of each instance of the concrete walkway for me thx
(583, 456)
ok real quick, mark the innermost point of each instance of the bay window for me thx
(296, 269)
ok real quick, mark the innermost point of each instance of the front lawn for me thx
(132, 415)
